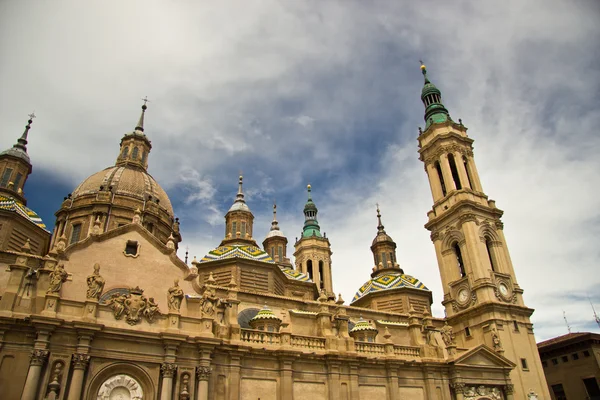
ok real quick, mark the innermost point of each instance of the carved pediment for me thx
(483, 356)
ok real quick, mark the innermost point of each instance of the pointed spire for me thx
(240, 193)
(274, 224)
(380, 227)
(435, 112)
(424, 71)
(140, 124)
(22, 141)
(308, 187)
(311, 225)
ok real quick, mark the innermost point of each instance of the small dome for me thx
(363, 325)
(16, 152)
(265, 314)
(382, 237)
(247, 252)
(429, 88)
(275, 233)
(239, 206)
(125, 181)
(387, 281)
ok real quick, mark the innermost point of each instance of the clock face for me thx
(503, 289)
(463, 295)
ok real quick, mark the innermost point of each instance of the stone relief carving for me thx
(210, 301)
(472, 392)
(95, 284)
(57, 277)
(175, 296)
(54, 385)
(203, 373)
(120, 387)
(168, 369)
(447, 335)
(38, 357)
(133, 305)
(496, 340)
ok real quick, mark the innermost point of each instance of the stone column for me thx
(167, 370)
(509, 389)
(448, 180)
(333, 377)
(354, 382)
(434, 182)
(392, 373)
(459, 389)
(202, 377)
(38, 359)
(80, 363)
(474, 174)
(462, 172)
(235, 362)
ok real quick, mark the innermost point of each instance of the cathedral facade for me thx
(101, 308)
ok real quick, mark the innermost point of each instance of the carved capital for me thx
(80, 360)
(168, 369)
(203, 373)
(458, 387)
(509, 388)
(39, 357)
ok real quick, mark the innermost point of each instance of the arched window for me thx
(134, 153)
(143, 157)
(440, 176)
(466, 164)
(273, 252)
(309, 269)
(454, 171)
(459, 259)
(384, 260)
(280, 253)
(488, 246)
(321, 281)
(243, 232)
(125, 152)
(245, 316)
(233, 228)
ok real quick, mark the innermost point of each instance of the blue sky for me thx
(326, 93)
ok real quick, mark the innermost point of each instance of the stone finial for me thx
(96, 230)
(412, 310)
(171, 242)
(137, 216)
(211, 280)
(26, 248)
(387, 335)
(339, 301)
(232, 284)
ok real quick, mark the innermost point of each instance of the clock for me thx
(463, 295)
(503, 289)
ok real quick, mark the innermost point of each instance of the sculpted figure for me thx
(210, 301)
(151, 309)
(447, 334)
(95, 283)
(495, 394)
(496, 340)
(117, 303)
(57, 277)
(174, 296)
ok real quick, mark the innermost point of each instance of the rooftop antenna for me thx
(595, 315)
(566, 322)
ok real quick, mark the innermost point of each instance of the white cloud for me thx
(327, 93)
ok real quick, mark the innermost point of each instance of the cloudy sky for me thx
(326, 92)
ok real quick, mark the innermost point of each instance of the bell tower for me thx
(313, 250)
(482, 298)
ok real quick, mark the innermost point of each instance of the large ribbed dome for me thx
(125, 181)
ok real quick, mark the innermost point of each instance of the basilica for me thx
(102, 308)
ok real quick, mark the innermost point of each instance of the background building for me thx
(572, 365)
(111, 312)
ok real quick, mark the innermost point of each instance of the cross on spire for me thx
(145, 99)
(32, 115)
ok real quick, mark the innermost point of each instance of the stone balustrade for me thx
(262, 337)
(370, 348)
(407, 351)
(309, 342)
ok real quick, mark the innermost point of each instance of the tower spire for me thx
(435, 112)
(380, 227)
(311, 225)
(240, 194)
(140, 124)
(274, 224)
(22, 141)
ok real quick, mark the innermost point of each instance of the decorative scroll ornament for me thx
(133, 305)
(203, 373)
(39, 357)
(168, 369)
(80, 360)
(119, 384)
(95, 284)
(472, 392)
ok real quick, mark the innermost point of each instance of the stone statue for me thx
(117, 303)
(151, 309)
(57, 277)
(447, 334)
(174, 296)
(496, 340)
(210, 301)
(95, 284)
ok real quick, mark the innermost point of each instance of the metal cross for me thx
(145, 99)
(32, 115)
